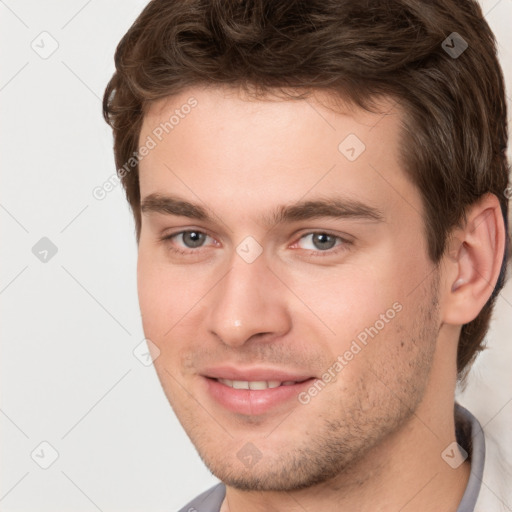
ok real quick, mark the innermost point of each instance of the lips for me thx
(254, 391)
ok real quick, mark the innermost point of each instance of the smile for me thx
(257, 396)
(255, 384)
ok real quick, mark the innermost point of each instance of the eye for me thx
(184, 240)
(192, 239)
(320, 242)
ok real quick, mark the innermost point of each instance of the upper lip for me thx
(254, 374)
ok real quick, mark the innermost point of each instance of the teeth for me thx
(256, 384)
(240, 384)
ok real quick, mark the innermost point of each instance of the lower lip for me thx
(253, 402)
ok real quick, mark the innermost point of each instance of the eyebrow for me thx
(339, 208)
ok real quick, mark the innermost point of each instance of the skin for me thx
(371, 439)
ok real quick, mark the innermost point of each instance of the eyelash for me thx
(344, 245)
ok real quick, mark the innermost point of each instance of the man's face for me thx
(326, 312)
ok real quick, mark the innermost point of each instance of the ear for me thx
(473, 261)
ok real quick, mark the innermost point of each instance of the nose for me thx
(249, 301)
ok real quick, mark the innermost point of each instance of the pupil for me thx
(323, 241)
(193, 239)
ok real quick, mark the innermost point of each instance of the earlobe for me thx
(474, 261)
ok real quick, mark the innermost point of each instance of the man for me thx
(319, 192)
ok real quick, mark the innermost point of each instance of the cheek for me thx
(386, 361)
(348, 299)
(169, 296)
(149, 293)
(369, 309)
(158, 299)
(163, 301)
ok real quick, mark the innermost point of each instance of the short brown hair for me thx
(455, 124)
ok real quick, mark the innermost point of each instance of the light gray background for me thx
(70, 325)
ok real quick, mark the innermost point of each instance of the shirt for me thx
(469, 435)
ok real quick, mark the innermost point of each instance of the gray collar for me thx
(471, 437)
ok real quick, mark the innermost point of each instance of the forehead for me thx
(211, 142)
